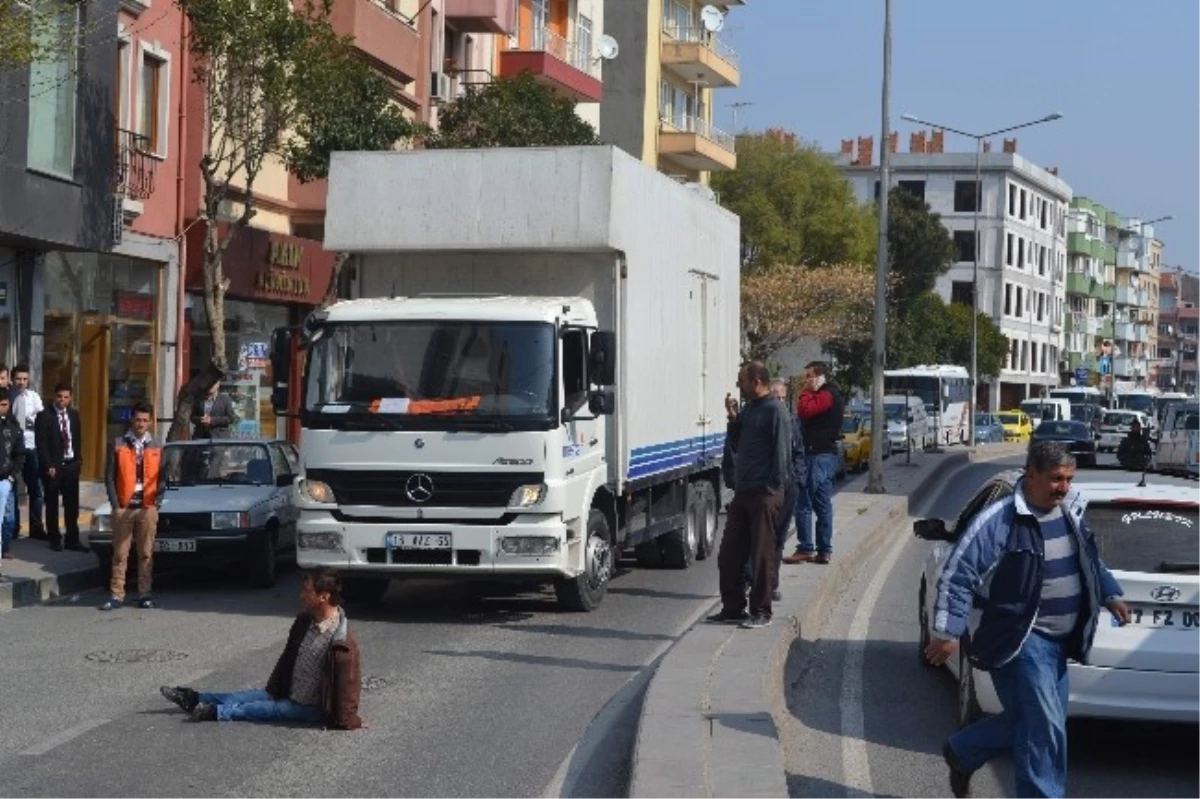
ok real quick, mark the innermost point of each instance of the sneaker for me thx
(728, 618)
(960, 778)
(777, 596)
(146, 603)
(204, 712)
(757, 621)
(111, 604)
(800, 557)
(822, 559)
(186, 698)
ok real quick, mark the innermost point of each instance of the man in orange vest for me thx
(135, 480)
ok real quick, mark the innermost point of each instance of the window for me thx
(964, 240)
(1012, 200)
(1020, 302)
(1022, 214)
(966, 196)
(1008, 299)
(1008, 249)
(1041, 306)
(1024, 356)
(1041, 259)
(583, 43)
(1043, 212)
(961, 294)
(575, 381)
(914, 187)
(150, 102)
(52, 90)
(1014, 354)
(121, 103)
(1020, 253)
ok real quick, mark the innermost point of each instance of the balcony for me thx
(480, 16)
(382, 35)
(695, 144)
(694, 54)
(1078, 283)
(562, 66)
(1131, 296)
(134, 168)
(1104, 329)
(1131, 367)
(1128, 259)
(1103, 292)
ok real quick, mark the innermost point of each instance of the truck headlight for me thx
(316, 491)
(527, 496)
(230, 520)
(533, 545)
(329, 542)
(102, 524)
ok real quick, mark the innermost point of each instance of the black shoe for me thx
(960, 778)
(56, 546)
(757, 622)
(146, 603)
(822, 559)
(186, 698)
(77, 546)
(203, 712)
(112, 603)
(39, 535)
(728, 618)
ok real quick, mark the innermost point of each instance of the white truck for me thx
(527, 376)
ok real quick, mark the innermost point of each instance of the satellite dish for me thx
(608, 47)
(712, 18)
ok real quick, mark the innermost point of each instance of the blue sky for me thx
(1123, 73)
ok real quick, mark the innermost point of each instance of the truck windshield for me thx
(431, 374)
(1136, 402)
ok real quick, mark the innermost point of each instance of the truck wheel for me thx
(364, 590)
(262, 565)
(584, 592)
(679, 546)
(708, 516)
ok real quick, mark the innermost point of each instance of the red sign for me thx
(266, 266)
(132, 305)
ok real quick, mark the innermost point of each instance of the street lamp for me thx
(978, 137)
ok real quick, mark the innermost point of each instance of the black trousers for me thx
(783, 529)
(749, 532)
(65, 484)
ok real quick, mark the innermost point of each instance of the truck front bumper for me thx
(530, 545)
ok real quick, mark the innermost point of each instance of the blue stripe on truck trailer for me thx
(656, 458)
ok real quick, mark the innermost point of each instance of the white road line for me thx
(856, 769)
(63, 737)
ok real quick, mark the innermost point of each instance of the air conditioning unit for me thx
(439, 87)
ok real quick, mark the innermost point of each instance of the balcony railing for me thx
(680, 123)
(703, 37)
(134, 168)
(573, 53)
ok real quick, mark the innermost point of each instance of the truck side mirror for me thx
(281, 368)
(602, 403)
(602, 355)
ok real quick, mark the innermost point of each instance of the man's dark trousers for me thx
(749, 532)
(31, 477)
(782, 528)
(64, 484)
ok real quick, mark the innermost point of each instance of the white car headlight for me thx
(528, 495)
(230, 520)
(329, 542)
(316, 491)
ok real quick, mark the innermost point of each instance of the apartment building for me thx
(658, 103)
(1021, 248)
(1179, 313)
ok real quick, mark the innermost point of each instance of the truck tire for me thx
(583, 592)
(708, 515)
(364, 590)
(679, 546)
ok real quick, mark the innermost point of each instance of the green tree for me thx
(795, 205)
(509, 112)
(920, 249)
(40, 30)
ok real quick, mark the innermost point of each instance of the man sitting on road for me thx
(1134, 452)
(317, 679)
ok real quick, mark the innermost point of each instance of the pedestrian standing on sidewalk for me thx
(12, 458)
(1023, 590)
(761, 443)
(60, 452)
(136, 481)
(820, 409)
(26, 405)
(215, 416)
(317, 679)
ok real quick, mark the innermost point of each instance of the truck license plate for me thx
(174, 545)
(417, 541)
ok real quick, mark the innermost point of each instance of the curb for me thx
(705, 705)
(20, 592)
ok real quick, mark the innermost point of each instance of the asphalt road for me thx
(873, 719)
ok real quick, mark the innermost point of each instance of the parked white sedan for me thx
(1147, 536)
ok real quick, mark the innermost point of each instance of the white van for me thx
(907, 423)
(1046, 409)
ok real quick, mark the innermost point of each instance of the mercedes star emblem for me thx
(419, 488)
(1165, 593)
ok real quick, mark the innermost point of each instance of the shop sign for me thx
(253, 356)
(134, 305)
(284, 255)
(271, 281)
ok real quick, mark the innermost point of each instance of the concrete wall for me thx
(627, 88)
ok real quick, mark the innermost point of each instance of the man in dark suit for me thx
(214, 418)
(60, 453)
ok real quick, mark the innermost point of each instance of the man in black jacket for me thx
(12, 460)
(820, 409)
(60, 452)
(1134, 453)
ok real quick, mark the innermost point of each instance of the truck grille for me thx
(449, 489)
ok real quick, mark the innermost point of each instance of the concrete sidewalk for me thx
(707, 726)
(37, 574)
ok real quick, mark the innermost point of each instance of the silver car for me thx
(227, 501)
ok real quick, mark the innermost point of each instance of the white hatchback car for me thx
(1147, 536)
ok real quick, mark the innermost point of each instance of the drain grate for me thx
(136, 656)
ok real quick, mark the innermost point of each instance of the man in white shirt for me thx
(26, 405)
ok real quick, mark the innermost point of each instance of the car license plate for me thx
(174, 545)
(417, 541)
(1167, 618)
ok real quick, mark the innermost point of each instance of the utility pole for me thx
(878, 438)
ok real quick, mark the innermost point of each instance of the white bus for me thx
(945, 391)
(1080, 395)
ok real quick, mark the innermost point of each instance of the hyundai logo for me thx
(1165, 593)
(419, 488)
(419, 443)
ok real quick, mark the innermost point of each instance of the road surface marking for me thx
(63, 737)
(856, 769)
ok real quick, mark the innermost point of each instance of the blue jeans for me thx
(1033, 725)
(8, 523)
(817, 500)
(259, 706)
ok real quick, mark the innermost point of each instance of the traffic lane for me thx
(463, 697)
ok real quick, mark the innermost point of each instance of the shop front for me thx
(274, 281)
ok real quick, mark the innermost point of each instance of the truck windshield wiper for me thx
(1178, 567)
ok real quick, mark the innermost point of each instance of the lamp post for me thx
(978, 137)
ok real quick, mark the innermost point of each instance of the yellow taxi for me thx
(1017, 427)
(856, 435)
